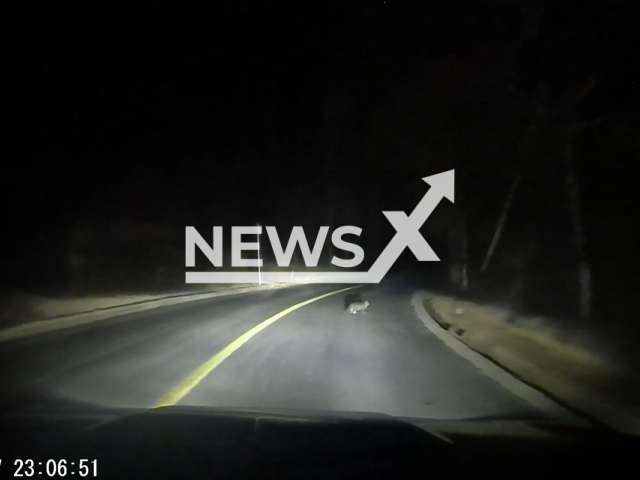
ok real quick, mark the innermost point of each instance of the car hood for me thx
(172, 442)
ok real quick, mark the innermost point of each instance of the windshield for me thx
(417, 210)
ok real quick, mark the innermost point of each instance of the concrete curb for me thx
(29, 329)
(529, 394)
(599, 409)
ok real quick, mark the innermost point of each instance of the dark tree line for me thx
(532, 102)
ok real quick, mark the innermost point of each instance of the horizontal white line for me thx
(281, 277)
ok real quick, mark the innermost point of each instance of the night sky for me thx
(235, 112)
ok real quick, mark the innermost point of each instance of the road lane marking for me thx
(177, 393)
(29, 329)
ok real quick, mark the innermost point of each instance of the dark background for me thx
(128, 123)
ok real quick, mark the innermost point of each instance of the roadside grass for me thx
(576, 369)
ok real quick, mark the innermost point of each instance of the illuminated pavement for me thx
(317, 357)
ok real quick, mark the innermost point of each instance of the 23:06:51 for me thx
(55, 468)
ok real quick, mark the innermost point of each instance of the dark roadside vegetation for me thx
(326, 114)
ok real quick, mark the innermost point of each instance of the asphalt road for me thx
(316, 357)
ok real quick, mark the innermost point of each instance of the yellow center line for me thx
(184, 387)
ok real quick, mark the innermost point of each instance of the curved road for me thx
(316, 357)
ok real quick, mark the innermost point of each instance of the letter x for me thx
(408, 232)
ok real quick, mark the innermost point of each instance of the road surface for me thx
(317, 356)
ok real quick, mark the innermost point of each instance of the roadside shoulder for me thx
(27, 329)
(532, 366)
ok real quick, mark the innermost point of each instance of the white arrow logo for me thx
(407, 235)
(408, 228)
